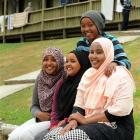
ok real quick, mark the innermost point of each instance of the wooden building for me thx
(52, 19)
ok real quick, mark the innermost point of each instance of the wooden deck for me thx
(62, 22)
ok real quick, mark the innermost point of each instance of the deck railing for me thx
(67, 17)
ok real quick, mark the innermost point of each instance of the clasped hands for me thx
(74, 119)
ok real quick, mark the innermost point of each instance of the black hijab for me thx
(68, 90)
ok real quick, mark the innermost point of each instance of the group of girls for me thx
(87, 97)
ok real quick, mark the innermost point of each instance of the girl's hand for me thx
(61, 123)
(71, 125)
(43, 116)
(110, 68)
(51, 128)
(78, 117)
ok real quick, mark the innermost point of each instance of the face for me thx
(88, 29)
(96, 55)
(72, 65)
(50, 65)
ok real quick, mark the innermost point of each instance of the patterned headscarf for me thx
(46, 82)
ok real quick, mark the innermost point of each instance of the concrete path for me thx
(124, 39)
(6, 90)
(18, 83)
(27, 80)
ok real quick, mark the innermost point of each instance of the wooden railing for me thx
(66, 17)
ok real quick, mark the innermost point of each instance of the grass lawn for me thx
(20, 58)
(15, 109)
(137, 115)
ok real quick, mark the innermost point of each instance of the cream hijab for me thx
(95, 90)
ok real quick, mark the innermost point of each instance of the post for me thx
(21, 38)
(21, 35)
(90, 5)
(5, 8)
(42, 20)
(64, 29)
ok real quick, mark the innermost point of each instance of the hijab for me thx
(46, 82)
(68, 90)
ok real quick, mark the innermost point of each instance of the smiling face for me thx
(49, 65)
(96, 55)
(89, 29)
(72, 65)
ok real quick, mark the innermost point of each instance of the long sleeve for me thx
(54, 113)
(35, 108)
(79, 101)
(83, 45)
(114, 118)
(79, 110)
(122, 100)
(120, 57)
(80, 96)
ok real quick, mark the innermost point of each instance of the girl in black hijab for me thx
(68, 90)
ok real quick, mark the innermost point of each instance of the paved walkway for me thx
(124, 39)
(6, 90)
(18, 83)
(21, 82)
(26, 78)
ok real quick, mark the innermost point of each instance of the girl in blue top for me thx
(92, 26)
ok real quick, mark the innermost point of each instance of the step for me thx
(26, 78)
(6, 90)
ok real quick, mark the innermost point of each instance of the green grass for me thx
(137, 114)
(15, 109)
(10, 46)
(20, 58)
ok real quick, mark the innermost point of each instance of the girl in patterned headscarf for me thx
(52, 71)
(48, 77)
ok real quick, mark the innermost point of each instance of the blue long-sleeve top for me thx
(120, 57)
